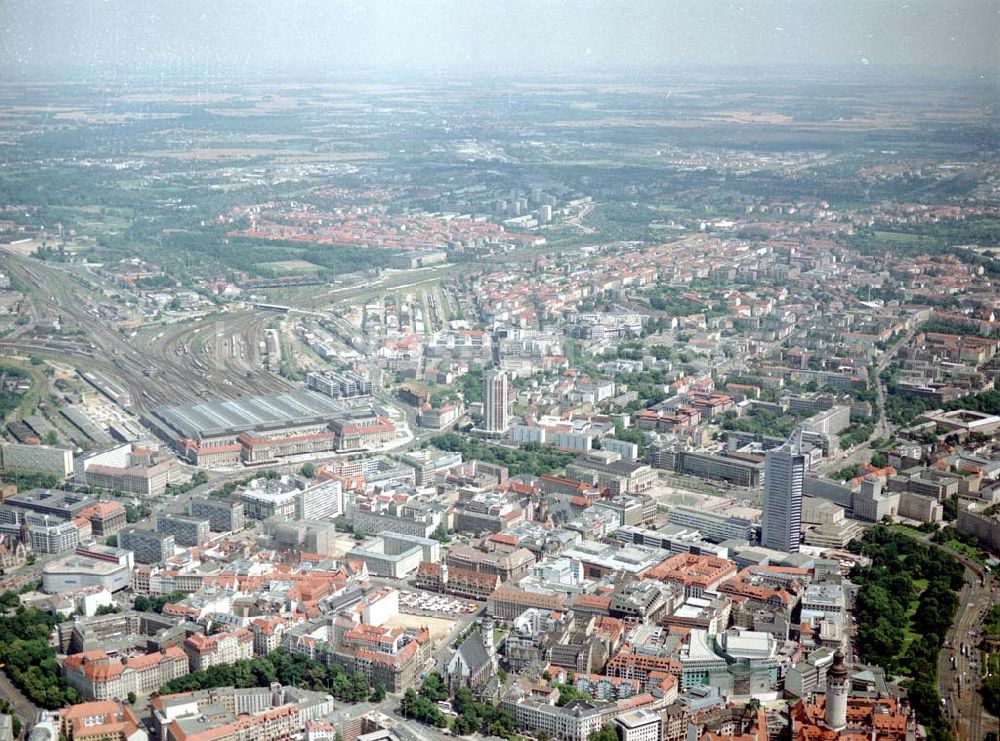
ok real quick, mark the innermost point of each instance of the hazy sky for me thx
(501, 36)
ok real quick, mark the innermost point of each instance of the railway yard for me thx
(163, 364)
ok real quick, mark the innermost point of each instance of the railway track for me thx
(151, 367)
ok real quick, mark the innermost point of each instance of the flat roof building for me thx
(713, 526)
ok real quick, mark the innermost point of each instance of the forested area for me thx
(529, 458)
(28, 659)
(906, 603)
(472, 715)
(284, 668)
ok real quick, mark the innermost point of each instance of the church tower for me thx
(837, 684)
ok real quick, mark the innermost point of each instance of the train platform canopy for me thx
(263, 414)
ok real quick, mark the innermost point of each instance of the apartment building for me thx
(222, 648)
(187, 531)
(148, 546)
(223, 515)
(102, 720)
(43, 459)
(322, 501)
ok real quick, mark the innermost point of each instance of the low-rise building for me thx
(713, 526)
(101, 720)
(91, 565)
(638, 725)
(696, 574)
(395, 555)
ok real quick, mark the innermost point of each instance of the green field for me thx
(290, 267)
(903, 238)
(911, 610)
(907, 530)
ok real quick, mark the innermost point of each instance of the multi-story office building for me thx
(309, 536)
(427, 463)
(54, 538)
(871, 503)
(784, 471)
(61, 505)
(496, 402)
(487, 512)
(393, 657)
(99, 676)
(718, 467)
(673, 538)
(36, 459)
(253, 714)
(265, 499)
(396, 556)
(823, 601)
(577, 720)
(630, 510)
(508, 603)
(320, 501)
(106, 518)
(413, 517)
(149, 546)
(339, 386)
(638, 725)
(695, 574)
(607, 470)
(146, 481)
(223, 515)
(132, 469)
(187, 531)
(509, 565)
(712, 525)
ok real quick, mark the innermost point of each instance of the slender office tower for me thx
(495, 401)
(784, 471)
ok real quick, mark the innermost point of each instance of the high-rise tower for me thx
(784, 474)
(496, 417)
